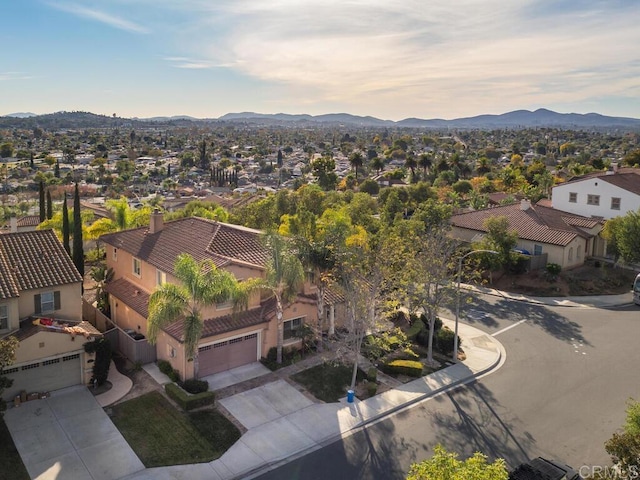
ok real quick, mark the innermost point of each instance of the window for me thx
(573, 197)
(290, 328)
(224, 305)
(46, 302)
(171, 351)
(537, 249)
(161, 277)
(115, 253)
(136, 267)
(4, 317)
(593, 199)
(615, 203)
(571, 254)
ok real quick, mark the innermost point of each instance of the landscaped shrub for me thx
(188, 402)
(289, 356)
(416, 327)
(398, 317)
(443, 341)
(411, 368)
(165, 367)
(174, 376)
(102, 348)
(437, 323)
(194, 386)
(408, 354)
(372, 388)
(372, 374)
(552, 271)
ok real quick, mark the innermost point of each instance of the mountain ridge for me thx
(516, 119)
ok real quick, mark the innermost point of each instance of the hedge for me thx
(404, 367)
(188, 402)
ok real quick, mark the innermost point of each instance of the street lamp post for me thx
(459, 274)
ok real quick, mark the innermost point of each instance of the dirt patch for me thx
(590, 279)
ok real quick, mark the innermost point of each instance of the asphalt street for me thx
(561, 393)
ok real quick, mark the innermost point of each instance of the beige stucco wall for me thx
(70, 302)
(125, 317)
(48, 344)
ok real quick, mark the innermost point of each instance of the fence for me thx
(537, 262)
(134, 350)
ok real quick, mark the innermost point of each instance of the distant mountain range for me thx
(517, 119)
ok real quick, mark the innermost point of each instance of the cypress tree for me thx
(78, 249)
(49, 205)
(41, 201)
(56, 171)
(65, 225)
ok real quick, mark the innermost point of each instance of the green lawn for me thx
(160, 434)
(11, 466)
(327, 382)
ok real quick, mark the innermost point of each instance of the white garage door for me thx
(227, 354)
(45, 376)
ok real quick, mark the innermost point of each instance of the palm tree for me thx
(356, 160)
(411, 163)
(426, 162)
(378, 164)
(283, 280)
(202, 285)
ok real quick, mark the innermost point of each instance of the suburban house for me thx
(567, 239)
(27, 223)
(41, 305)
(602, 194)
(144, 258)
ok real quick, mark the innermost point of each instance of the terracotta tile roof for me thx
(132, 295)
(201, 238)
(538, 223)
(29, 221)
(28, 329)
(231, 322)
(627, 178)
(30, 260)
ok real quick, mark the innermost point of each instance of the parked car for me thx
(543, 469)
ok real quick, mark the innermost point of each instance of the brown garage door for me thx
(227, 354)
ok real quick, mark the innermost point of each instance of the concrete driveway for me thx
(70, 436)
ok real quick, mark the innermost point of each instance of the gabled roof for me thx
(136, 298)
(29, 221)
(537, 223)
(30, 260)
(625, 178)
(201, 238)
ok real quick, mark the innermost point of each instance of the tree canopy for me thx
(445, 465)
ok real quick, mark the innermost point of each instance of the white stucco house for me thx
(602, 194)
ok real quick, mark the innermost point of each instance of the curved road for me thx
(561, 394)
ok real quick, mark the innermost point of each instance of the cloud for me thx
(99, 16)
(5, 76)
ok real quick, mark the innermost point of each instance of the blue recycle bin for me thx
(350, 396)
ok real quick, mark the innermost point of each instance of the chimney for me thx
(13, 223)
(525, 204)
(157, 222)
(614, 166)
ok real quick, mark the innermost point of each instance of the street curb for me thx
(496, 363)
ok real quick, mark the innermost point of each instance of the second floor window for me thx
(615, 203)
(4, 317)
(573, 197)
(46, 302)
(161, 277)
(137, 267)
(593, 199)
(115, 254)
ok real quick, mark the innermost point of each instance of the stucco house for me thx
(41, 305)
(601, 194)
(567, 239)
(144, 258)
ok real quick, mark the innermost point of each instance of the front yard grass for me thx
(327, 382)
(11, 466)
(161, 435)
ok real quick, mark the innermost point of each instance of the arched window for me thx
(571, 254)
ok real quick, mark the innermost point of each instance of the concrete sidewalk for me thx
(592, 301)
(271, 443)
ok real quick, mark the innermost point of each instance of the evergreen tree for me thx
(41, 201)
(279, 158)
(56, 171)
(78, 250)
(168, 171)
(65, 225)
(49, 205)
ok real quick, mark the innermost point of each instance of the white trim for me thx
(44, 359)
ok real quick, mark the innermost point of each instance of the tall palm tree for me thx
(378, 164)
(411, 163)
(283, 280)
(426, 162)
(202, 285)
(356, 160)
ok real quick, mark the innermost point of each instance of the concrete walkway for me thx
(120, 386)
(274, 411)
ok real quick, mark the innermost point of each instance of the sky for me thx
(391, 59)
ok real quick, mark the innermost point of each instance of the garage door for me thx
(227, 354)
(45, 376)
